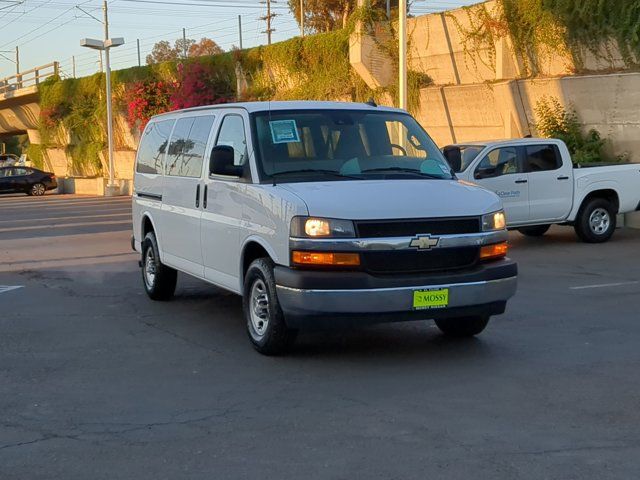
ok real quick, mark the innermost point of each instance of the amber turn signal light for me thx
(497, 250)
(325, 258)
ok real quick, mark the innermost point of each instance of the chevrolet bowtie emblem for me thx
(424, 242)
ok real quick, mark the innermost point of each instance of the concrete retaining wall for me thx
(488, 111)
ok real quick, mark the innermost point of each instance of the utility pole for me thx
(184, 42)
(240, 30)
(101, 64)
(302, 18)
(112, 181)
(73, 65)
(388, 9)
(268, 17)
(138, 43)
(17, 60)
(402, 54)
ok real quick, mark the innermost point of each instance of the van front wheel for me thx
(266, 326)
(158, 279)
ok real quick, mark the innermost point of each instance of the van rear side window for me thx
(188, 142)
(153, 147)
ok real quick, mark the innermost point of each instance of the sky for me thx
(50, 30)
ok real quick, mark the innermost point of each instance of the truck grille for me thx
(405, 261)
(411, 227)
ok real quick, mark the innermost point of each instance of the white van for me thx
(317, 213)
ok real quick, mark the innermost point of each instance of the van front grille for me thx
(411, 227)
(407, 261)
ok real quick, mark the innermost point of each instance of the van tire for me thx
(159, 280)
(462, 326)
(265, 321)
(534, 230)
(596, 221)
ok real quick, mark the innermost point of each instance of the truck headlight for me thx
(494, 221)
(312, 227)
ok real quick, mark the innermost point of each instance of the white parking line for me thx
(8, 288)
(605, 285)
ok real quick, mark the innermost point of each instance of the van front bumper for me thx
(310, 298)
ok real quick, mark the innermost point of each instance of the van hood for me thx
(388, 199)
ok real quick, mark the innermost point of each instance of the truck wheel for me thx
(266, 326)
(596, 221)
(158, 279)
(462, 326)
(535, 230)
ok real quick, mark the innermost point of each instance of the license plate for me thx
(426, 299)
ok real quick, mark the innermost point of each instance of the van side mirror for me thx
(221, 162)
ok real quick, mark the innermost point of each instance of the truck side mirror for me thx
(221, 162)
(454, 157)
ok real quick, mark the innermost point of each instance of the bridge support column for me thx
(34, 136)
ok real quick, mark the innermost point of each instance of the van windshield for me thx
(324, 145)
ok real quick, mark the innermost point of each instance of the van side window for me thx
(153, 146)
(232, 134)
(498, 162)
(188, 143)
(542, 158)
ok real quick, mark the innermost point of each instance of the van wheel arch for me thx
(147, 226)
(252, 251)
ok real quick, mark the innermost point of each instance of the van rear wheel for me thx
(158, 279)
(265, 321)
(463, 326)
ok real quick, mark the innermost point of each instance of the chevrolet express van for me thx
(317, 213)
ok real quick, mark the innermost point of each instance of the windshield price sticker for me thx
(284, 131)
(426, 299)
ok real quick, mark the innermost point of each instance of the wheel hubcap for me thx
(599, 221)
(259, 307)
(38, 189)
(149, 267)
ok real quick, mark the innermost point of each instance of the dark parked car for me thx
(27, 180)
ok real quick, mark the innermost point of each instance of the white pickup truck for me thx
(540, 186)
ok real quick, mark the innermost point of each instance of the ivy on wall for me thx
(554, 27)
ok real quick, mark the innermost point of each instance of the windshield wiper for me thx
(404, 170)
(315, 170)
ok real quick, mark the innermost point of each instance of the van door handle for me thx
(204, 197)
(563, 177)
(197, 196)
(523, 180)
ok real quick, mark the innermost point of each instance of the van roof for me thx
(287, 105)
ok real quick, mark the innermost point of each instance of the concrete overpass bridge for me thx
(19, 101)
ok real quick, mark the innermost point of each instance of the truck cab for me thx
(317, 213)
(540, 186)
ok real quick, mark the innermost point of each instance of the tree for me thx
(161, 52)
(205, 46)
(164, 52)
(323, 15)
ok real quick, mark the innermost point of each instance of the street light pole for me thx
(112, 180)
(402, 54)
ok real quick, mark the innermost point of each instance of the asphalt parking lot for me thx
(99, 382)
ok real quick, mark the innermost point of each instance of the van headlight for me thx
(494, 221)
(313, 227)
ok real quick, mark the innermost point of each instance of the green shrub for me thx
(555, 121)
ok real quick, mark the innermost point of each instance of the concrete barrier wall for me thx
(487, 111)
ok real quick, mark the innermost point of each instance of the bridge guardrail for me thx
(28, 78)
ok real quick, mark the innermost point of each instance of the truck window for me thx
(232, 134)
(188, 143)
(542, 158)
(498, 162)
(153, 146)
